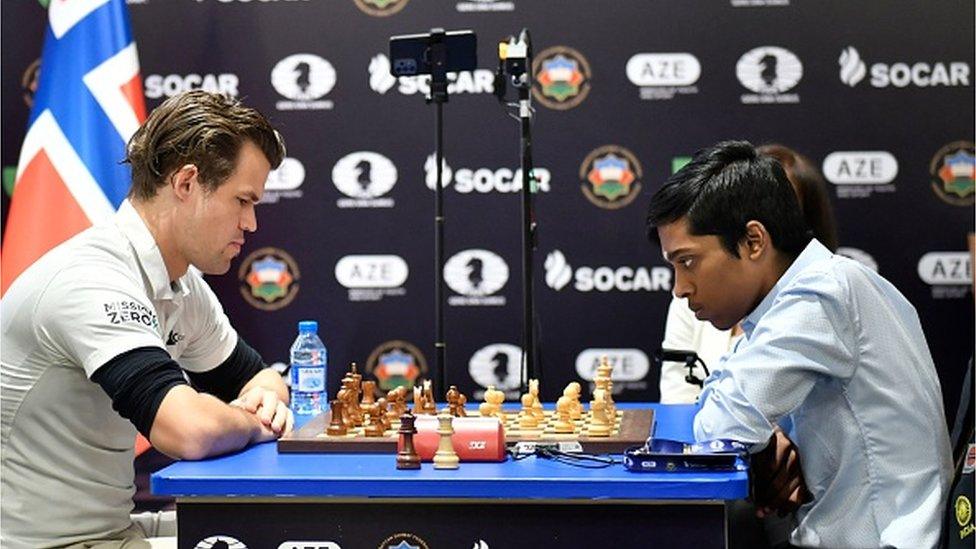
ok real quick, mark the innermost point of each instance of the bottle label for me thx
(310, 379)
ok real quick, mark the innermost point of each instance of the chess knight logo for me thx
(476, 274)
(364, 176)
(219, 542)
(380, 8)
(395, 364)
(497, 364)
(953, 172)
(269, 279)
(610, 177)
(303, 78)
(769, 72)
(562, 78)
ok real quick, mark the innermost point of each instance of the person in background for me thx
(115, 331)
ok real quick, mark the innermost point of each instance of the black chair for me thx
(957, 529)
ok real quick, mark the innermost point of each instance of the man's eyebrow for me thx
(669, 256)
(252, 196)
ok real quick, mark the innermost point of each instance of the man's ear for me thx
(184, 180)
(756, 240)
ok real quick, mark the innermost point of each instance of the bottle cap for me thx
(306, 326)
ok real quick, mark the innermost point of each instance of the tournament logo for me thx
(562, 78)
(610, 177)
(964, 510)
(900, 74)
(485, 6)
(630, 367)
(381, 8)
(476, 274)
(372, 277)
(481, 81)
(859, 174)
(769, 72)
(219, 542)
(953, 172)
(497, 364)
(303, 78)
(364, 176)
(950, 274)
(284, 181)
(604, 278)
(860, 256)
(664, 75)
(29, 80)
(158, 86)
(483, 180)
(395, 364)
(269, 279)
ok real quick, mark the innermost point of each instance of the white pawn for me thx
(446, 457)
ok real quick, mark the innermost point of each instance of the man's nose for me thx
(249, 220)
(682, 286)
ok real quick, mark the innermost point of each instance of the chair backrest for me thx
(962, 428)
(959, 529)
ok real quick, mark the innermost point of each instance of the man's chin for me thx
(217, 269)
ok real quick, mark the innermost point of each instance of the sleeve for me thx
(226, 380)
(211, 338)
(807, 336)
(92, 315)
(679, 333)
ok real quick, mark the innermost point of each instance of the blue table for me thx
(266, 499)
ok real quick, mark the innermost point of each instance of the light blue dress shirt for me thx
(840, 352)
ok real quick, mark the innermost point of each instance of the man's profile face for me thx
(719, 288)
(216, 227)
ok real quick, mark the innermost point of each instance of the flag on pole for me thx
(88, 104)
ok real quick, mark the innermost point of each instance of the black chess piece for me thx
(407, 457)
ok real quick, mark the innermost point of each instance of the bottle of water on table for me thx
(309, 358)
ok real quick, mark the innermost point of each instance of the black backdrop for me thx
(767, 71)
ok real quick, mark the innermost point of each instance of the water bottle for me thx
(309, 358)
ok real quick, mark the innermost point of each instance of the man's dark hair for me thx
(723, 188)
(201, 128)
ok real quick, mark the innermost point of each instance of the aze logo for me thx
(953, 173)
(562, 78)
(610, 177)
(269, 279)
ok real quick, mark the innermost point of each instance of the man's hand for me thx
(269, 409)
(779, 484)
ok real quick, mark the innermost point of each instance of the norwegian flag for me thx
(88, 104)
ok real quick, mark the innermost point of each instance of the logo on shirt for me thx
(380, 8)
(219, 542)
(130, 312)
(395, 364)
(610, 177)
(769, 72)
(953, 173)
(269, 279)
(562, 78)
(964, 510)
(174, 337)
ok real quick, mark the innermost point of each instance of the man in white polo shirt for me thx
(116, 331)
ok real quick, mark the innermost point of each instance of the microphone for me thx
(690, 358)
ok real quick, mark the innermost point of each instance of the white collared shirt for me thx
(839, 351)
(67, 469)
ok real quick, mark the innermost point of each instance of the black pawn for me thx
(407, 458)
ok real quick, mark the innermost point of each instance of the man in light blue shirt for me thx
(829, 345)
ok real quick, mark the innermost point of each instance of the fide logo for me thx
(769, 72)
(268, 279)
(953, 174)
(562, 78)
(284, 181)
(497, 364)
(395, 364)
(476, 274)
(303, 78)
(364, 177)
(219, 542)
(610, 177)
(380, 8)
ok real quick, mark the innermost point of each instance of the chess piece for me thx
(462, 400)
(373, 423)
(445, 457)
(540, 414)
(369, 393)
(564, 423)
(527, 419)
(407, 458)
(573, 391)
(430, 406)
(398, 403)
(345, 397)
(599, 424)
(382, 406)
(336, 427)
(492, 406)
(453, 396)
(418, 400)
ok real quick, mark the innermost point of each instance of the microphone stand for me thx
(438, 96)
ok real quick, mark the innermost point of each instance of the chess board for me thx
(630, 428)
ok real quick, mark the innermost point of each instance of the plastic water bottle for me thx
(309, 358)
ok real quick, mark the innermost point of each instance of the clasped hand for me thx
(779, 484)
(275, 416)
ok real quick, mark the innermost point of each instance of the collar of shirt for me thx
(128, 220)
(814, 251)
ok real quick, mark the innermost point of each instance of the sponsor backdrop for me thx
(880, 95)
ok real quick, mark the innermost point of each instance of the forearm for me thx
(268, 379)
(192, 425)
